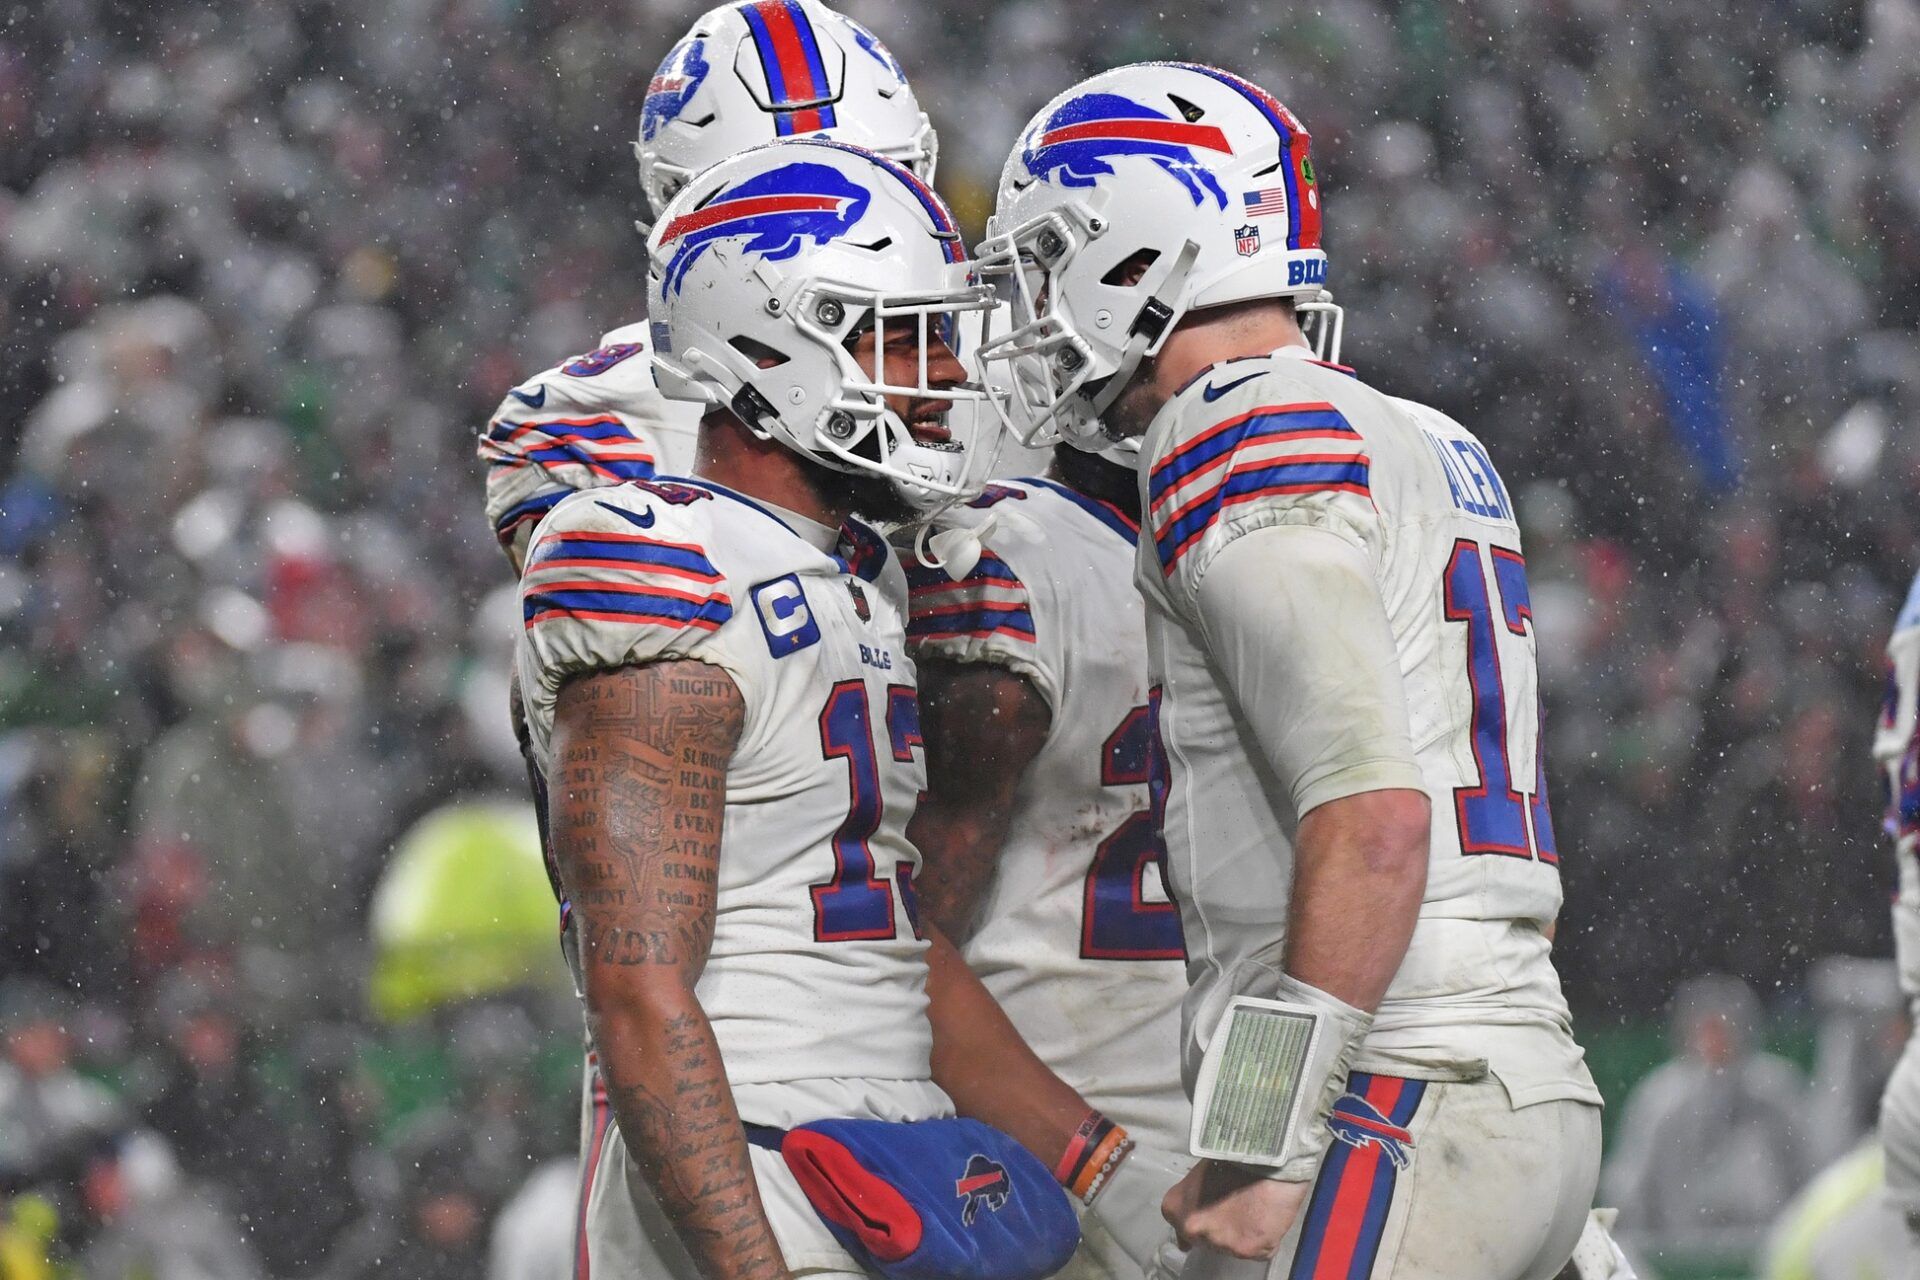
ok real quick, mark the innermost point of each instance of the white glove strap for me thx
(1272, 1071)
(1596, 1256)
(1127, 1205)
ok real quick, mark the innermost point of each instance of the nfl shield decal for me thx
(1246, 239)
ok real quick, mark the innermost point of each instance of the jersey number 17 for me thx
(1495, 816)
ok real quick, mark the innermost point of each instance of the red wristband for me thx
(1096, 1146)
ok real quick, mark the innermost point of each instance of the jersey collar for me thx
(854, 547)
(1115, 518)
(1306, 353)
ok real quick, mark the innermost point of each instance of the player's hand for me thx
(1232, 1210)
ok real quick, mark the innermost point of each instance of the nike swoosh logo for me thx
(532, 402)
(1210, 393)
(642, 518)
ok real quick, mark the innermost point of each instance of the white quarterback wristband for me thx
(1272, 1071)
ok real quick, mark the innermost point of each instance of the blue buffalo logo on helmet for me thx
(877, 51)
(1360, 1124)
(984, 1183)
(674, 85)
(1081, 139)
(778, 214)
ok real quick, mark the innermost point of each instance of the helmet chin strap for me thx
(955, 549)
(1151, 325)
(1122, 451)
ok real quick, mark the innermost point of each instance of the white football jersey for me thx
(594, 420)
(1285, 440)
(1896, 749)
(1075, 937)
(817, 970)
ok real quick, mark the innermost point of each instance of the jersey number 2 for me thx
(858, 902)
(1495, 817)
(1118, 922)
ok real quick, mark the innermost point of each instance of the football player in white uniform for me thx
(1339, 635)
(720, 700)
(1896, 749)
(1043, 857)
(744, 74)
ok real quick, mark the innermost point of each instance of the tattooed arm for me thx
(638, 789)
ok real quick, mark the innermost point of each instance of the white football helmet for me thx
(766, 268)
(763, 70)
(1202, 176)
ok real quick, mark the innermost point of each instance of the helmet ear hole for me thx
(1131, 268)
(759, 352)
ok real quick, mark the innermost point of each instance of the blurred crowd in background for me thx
(265, 269)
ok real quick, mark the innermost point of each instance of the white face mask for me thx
(861, 431)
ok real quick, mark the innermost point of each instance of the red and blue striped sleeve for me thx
(989, 601)
(1299, 462)
(986, 616)
(533, 462)
(601, 590)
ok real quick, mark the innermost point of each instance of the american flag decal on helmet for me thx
(1266, 201)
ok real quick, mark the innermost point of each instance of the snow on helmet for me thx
(766, 268)
(754, 72)
(1202, 176)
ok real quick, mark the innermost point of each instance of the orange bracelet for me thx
(1097, 1146)
(1112, 1149)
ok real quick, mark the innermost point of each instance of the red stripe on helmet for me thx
(1309, 201)
(1174, 131)
(751, 207)
(796, 74)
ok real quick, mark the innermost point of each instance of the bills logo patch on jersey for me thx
(674, 494)
(984, 1184)
(1246, 240)
(994, 494)
(599, 360)
(1078, 143)
(777, 213)
(673, 86)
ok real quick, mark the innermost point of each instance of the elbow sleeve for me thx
(1293, 619)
